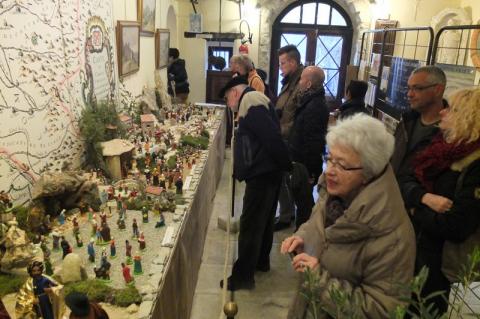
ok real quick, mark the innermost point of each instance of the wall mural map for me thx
(55, 56)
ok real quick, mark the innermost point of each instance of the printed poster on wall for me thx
(400, 71)
(458, 77)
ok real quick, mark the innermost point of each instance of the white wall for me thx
(127, 10)
(474, 6)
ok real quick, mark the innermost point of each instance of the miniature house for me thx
(148, 124)
(118, 155)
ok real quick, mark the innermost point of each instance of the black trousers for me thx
(256, 226)
(436, 280)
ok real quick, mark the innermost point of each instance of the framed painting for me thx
(146, 16)
(162, 44)
(128, 47)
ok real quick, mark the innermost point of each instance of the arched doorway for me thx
(322, 32)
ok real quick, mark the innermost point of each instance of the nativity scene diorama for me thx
(100, 228)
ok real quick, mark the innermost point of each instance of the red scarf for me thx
(438, 157)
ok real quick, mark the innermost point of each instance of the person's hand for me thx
(303, 261)
(292, 244)
(438, 203)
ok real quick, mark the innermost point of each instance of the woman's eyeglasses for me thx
(328, 159)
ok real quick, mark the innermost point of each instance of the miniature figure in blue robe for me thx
(61, 217)
(91, 251)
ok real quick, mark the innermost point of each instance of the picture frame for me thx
(146, 16)
(162, 45)
(128, 47)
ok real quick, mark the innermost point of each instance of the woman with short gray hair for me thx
(359, 238)
(243, 65)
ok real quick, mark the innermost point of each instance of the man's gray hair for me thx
(243, 61)
(368, 137)
(435, 74)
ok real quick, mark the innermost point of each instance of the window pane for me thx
(337, 18)
(293, 16)
(323, 15)
(309, 13)
(329, 57)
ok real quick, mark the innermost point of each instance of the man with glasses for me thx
(260, 156)
(426, 86)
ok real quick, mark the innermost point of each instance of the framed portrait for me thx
(146, 16)
(162, 44)
(128, 47)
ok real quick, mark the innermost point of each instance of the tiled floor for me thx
(274, 291)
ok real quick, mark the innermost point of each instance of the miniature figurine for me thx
(103, 217)
(155, 177)
(55, 241)
(137, 265)
(104, 271)
(144, 214)
(94, 225)
(66, 249)
(128, 252)
(103, 258)
(162, 181)
(113, 249)
(90, 213)
(179, 185)
(121, 223)
(105, 232)
(91, 251)
(76, 227)
(126, 274)
(79, 240)
(141, 241)
(160, 222)
(61, 217)
(98, 236)
(39, 296)
(123, 209)
(135, 228)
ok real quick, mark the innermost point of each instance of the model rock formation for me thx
(19, 252)
(72, 269)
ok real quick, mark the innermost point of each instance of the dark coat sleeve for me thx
(263, 125)
(314, 130)
(462, 219)
(411, 189)
(177, 73)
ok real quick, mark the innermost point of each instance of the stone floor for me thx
(274, 290)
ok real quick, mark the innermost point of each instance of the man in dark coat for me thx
(416, 129)
(177, 74)
(260, 157)
(307, 143)
(355, 95)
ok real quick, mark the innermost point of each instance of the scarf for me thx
(438, 157)
(335, 208)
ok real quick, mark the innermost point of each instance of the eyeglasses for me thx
(417, 88)
(328, 159)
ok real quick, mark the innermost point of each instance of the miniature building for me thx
(148, 124)
(118, 154)
(126, 120)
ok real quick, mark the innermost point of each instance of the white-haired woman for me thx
(359, 237)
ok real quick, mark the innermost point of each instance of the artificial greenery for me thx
(10, 283)
(205, 133)
(172, 162)
(125, 297)
(199, 142)
(21, 214)
(94, 123)
(99, 291)
(415, 305)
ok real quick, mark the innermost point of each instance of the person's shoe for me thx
(233, 285)
(263, 268)
(280, 225)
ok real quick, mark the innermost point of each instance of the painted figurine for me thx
(76, 227)
(113, 249)
(91, 251)
(128, 252)
(39, 296)
(79, 240)
(137, 265)
(105, 232)
(144, 214)
(135, 228)
(141, 241)
(179, 185)
(160, 222)
(126, 274)
(61, 217)
(66, 249)
(121, 223)
(55, 241)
